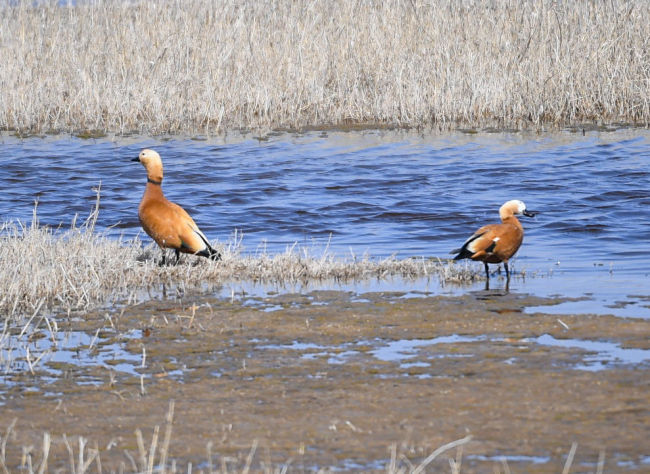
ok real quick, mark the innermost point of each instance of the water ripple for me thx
(380, 192)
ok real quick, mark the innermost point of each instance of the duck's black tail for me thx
(214, 255)
(210, 253)
(462, 253)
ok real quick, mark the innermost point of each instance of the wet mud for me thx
(337, 380)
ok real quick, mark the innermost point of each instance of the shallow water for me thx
(597, 355)
(377, 192)
(53, 353)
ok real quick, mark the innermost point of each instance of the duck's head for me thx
(152, 163)
(515, 208)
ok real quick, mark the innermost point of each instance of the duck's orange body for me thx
(165, 222)
(497, 243)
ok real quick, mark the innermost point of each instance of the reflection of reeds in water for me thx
(200, 66)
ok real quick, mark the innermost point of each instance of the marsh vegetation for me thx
(208, 67)
(79, 268)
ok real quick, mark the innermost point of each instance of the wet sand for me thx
(338, 380)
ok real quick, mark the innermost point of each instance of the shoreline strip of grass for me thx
(42, 269)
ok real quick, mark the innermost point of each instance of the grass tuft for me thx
(44, 269)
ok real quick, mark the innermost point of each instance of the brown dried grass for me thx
(205, 67)
(78, 269)
(154, 456)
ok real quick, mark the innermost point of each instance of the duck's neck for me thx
(153, 189)
(512, 220)
(154, 173)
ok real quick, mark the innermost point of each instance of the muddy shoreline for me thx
(332, 379)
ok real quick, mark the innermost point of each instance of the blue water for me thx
(380, 192)
(75, 348)
(599, 355)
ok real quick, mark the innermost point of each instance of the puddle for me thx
(270, 309)
(348, 465)
(602, 354)
(393, 351)
(611, 299)
(295, 345)
(510, 459)
(415, 364)
(397, 351)
(643, 461)
(631, 306)
(333, 355)
(51, 354)
(268, 297)
(83, 352)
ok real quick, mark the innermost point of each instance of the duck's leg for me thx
(487, 270)
(178, 256)
(163, 260)
(505, 265)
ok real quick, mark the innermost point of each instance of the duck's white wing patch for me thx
(470, 244)
(473, 242)
(198, 232)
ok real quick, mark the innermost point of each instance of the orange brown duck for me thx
(496, 243)
(167, 223)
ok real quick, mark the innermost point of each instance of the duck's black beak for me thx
(528, 213)
(137, 158)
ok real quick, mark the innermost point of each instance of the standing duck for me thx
(496, 243)
(167, 223)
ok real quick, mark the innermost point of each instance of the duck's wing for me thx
(193, 240)
(480, 241)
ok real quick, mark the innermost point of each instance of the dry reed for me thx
(43, 269)
(205, 67)
(155, 456)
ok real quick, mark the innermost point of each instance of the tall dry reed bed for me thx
(202, 67)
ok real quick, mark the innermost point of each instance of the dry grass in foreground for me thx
(205, 67)
(78, 269)
(155, 456)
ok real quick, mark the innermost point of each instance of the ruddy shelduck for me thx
(167, 223)
(496, 243)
